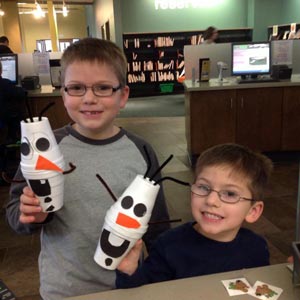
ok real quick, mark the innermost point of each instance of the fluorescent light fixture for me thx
(38, 12)
(64, 9)
(2, 13)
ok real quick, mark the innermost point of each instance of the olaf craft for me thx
(42, 163)
(127, 219)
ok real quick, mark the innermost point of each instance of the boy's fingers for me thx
(26, 219)
(28, 191)
(28, 208)
(136, 250)
(138, 246)
(28, 198)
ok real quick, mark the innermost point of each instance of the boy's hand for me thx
(129, 263)
(31, 211)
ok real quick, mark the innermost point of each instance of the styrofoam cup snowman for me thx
(126, 222)
(42, 163)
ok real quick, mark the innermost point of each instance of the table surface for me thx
(205, 287)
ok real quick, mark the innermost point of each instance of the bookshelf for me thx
(283, 30)
(156, 61)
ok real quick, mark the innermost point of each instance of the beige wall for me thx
(72, 26)
(1, 27)
(10, 25)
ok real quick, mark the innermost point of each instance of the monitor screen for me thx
(251, 59)
(55, 72)
(9, 63)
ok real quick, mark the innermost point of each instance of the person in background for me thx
(93, 75)
(210, 35)
(4, 45)
(12, 104)
(228, 189)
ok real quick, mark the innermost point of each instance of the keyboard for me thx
(257, 80)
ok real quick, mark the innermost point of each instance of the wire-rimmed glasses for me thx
(226, 196)
(100, 90)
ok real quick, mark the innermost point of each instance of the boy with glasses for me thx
(93, 90)
(229, 187)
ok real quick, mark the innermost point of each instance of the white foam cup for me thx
(31, 132)
(48, 187)
(143, 191)
(112, 250)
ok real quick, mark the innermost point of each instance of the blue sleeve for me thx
(154, 269)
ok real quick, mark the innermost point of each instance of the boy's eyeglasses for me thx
(100, 90)
(203, 190)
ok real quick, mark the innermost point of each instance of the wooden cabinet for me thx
(259, 118)
(291, 119)
(283, 31)
(210, 118)
(57, 114)
(264, 118)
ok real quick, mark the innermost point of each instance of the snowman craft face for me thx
(127, 219)
(42, 163)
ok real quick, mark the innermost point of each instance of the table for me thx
(207, 287)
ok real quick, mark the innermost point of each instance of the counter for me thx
(39, 99)
(231, 82)
(205, 287)
(262, 116)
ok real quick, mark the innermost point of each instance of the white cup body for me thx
(31, 132)
(48, 188)
(113, 246)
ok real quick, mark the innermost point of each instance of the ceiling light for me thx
(2, 13)
(38, 12)
(64, 9)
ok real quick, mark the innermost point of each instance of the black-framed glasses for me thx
(226, 196)
(100, 90)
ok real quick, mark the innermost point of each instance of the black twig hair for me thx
(107, 187)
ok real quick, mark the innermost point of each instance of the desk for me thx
(207, 287)
(39, 99)
(262, 116)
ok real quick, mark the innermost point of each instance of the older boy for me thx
(94, 90)
(228, 189)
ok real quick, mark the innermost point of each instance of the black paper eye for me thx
(42, 144)
(140, 210)
(25, 148)
(127, 202)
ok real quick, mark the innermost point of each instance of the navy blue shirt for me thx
(183, 252)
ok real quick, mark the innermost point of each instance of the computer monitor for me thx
(9, 63)
(250, 59)
(55, 70)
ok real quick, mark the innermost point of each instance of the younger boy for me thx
(229, 185)
(94, 90)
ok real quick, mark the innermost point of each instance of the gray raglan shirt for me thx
(69, 236)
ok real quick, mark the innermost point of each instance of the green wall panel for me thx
(141, 16)
(290, 11)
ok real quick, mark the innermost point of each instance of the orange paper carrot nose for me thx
(45, 164)
(127, 221)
